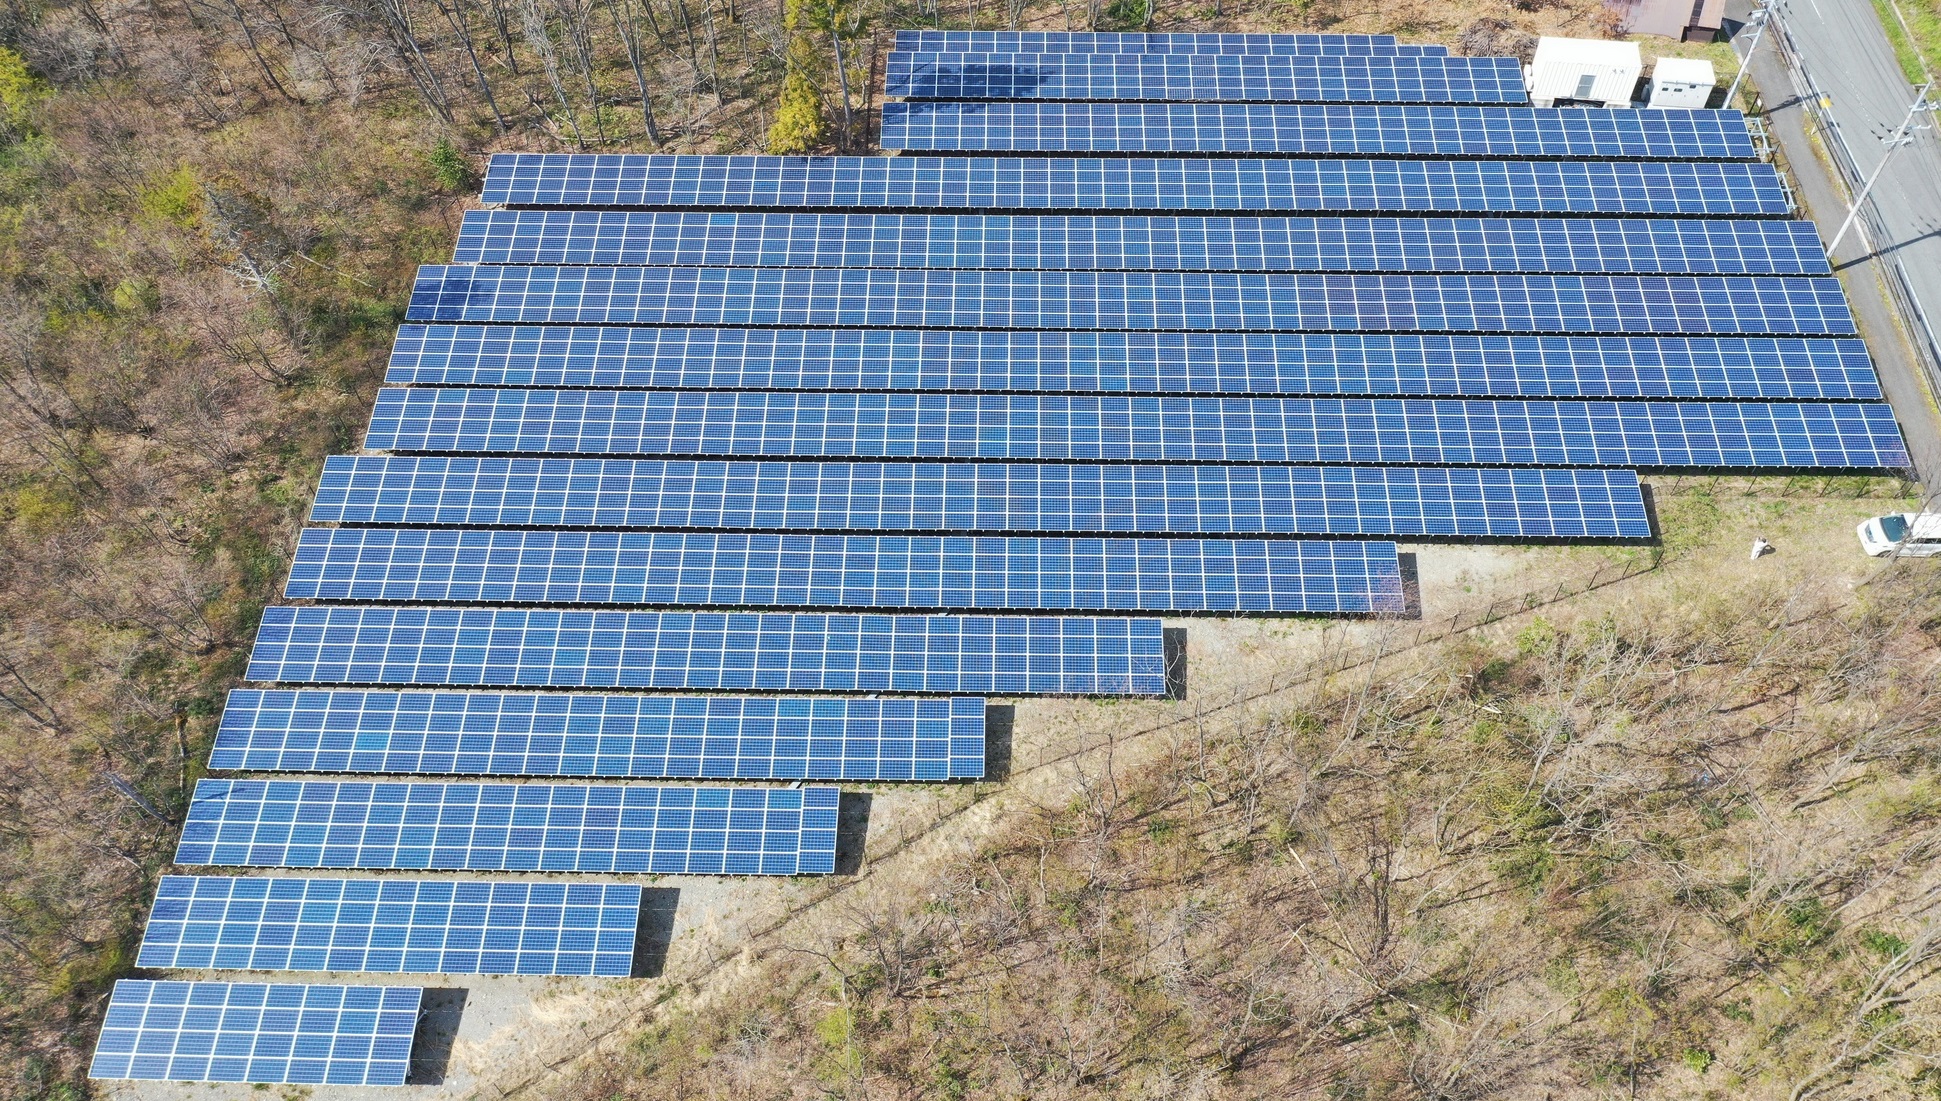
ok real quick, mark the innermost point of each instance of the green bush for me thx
(451, 168)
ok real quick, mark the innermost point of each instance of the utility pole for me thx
(1902, 135)
(1758, 20)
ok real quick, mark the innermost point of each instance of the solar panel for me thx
(965, 498)
(707, 651)
(1749, 188)
(1165, 363)
(611, 736)
(1338, 130)
(1133, 300)
(754, 424)
(957, 573)
(269, 1033)
(439, 926)
(1140, 243)
(1217, 78)
(511, 827)
(1087, 42)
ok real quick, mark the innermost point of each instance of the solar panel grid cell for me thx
(257, 1032)
(613, 736)
(1164, 363)
(392, 925)
(1740, 188)
(966, 498)
(1139, 243)
(511, 827)
(1615, 304)
(770, 651)
(1336, 130)
(854, 571)
(1223, 78)
(1138, 428)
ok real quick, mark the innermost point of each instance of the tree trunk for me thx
(255, 51)
(541, 41)
(842, 78)
(504, 27)
(630, 39)
(397, 19)
(714, 57)
(455, 15)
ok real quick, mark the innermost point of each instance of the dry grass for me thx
(1681, 851)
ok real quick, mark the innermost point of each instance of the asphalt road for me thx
(1849, 58)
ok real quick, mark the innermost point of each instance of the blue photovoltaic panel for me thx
(985, 497)
(957, 573)
(511, 827)
(1140, 243)
(1722, 188)
(785, 424)
(392, 925)
(1210, 78)
(1336, 130)
(748, 651)
(1640, 304)
(1164, 363)
(257, 1032)
(1057, 42)
(611, 736)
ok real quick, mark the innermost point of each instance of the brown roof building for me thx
(1689, 20)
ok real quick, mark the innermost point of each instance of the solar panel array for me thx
(986, 498)
(1069, 42)
(1454, 365)
(1137, 428)
(1747, 189)
(611, 736)
(1323, 130)
(1219, 78)
(257, 1032)
(844, 571)
(441, 926)
(510, 827)
(757, 446)
(1205, 301)
(708, 651)
(1136, 243)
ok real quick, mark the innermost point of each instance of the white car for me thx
(1913, 534)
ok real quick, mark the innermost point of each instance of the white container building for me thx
(1583, 72)
(1681, 82)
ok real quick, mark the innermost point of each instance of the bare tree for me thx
(629, 33)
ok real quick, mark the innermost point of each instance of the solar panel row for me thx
(1164, 363)
(438, 926)
(257, 1032)
(1741, 188)
(510, 827)
(706, 651)
(1133, 300)
(961, 498)
(1219, 78)
(1125, 42)
(956, 573)
(613, 736)
(1142, 243)
(751, 424)
(1333, 130)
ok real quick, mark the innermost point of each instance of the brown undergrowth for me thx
(1680, 852)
